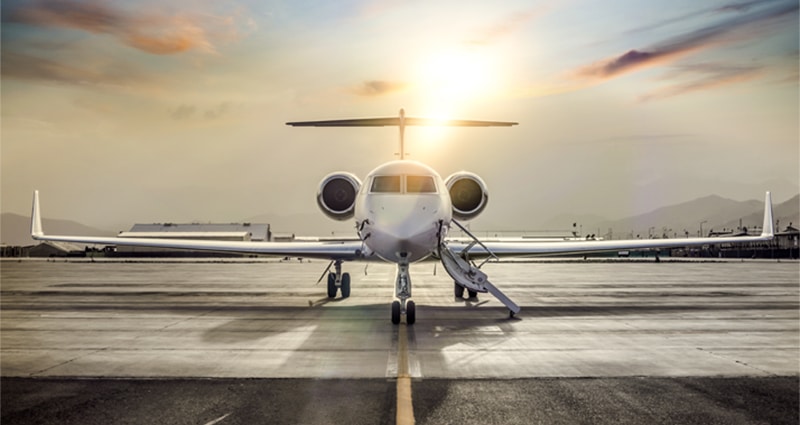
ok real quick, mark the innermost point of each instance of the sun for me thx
(448, 81)
(455, 73)
(450, 77)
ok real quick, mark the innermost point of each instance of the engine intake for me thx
(467, 193)
(337, 195)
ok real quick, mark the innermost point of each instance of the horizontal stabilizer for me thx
(394, 121)
(399, 120)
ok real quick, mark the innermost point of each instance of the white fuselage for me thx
(401, 210)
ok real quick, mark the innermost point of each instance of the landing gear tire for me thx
(472, 294)
(510, 314)
(396, 312)
(411, 313)
(331, 285)
(458, 290)
(345, 285)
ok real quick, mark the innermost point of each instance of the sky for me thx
(121, 112)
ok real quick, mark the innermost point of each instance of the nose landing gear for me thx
(403, 306)
(410, 311)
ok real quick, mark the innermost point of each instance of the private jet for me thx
(403, 211)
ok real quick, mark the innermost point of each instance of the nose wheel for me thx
(398, 310)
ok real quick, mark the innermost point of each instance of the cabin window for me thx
(420, 184)
(386, 184)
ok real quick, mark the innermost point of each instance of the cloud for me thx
(93, 17)
(503, 28)
(190, 112)
(183, 112)
(153, 32)
(377, 88)
(629, 61)
(21, 65)
(739, 7)
(745, 26)
(732, 7)
(217, 112)
(182, 35)
(712, 75)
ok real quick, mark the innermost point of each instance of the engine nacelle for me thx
(337, 195)
(467, 193)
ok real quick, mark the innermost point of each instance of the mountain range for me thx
(15, 229)
(714, 212)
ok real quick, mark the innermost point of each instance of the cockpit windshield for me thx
(420, 184)
(403, 184)
(386, 184)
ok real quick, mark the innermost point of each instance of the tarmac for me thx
(259, 342)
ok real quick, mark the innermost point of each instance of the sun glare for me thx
(449, 78)
(448, 82)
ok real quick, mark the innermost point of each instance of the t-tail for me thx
(401, 121)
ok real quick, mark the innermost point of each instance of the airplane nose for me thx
(403, 243)
(402, 230)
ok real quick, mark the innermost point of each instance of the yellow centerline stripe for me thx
(405, 408)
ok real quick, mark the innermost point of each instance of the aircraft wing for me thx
(332, 250)
(531, 249)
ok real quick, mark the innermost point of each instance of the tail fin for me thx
(36, 218)
(768, 230)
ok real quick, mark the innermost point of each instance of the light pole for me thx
(701, 227)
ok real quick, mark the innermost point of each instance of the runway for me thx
(595, 342)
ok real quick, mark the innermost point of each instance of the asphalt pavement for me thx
(259, 342)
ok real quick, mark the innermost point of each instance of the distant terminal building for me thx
(48, 249)
(786, 244)
(252, 232)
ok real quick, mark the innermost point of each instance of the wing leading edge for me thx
(532, 249)
(340, 250)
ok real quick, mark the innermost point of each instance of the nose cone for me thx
(403, 228)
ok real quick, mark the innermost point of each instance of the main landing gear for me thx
(337, 280)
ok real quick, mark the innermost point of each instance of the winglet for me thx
(36, 218)
(768, 230)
